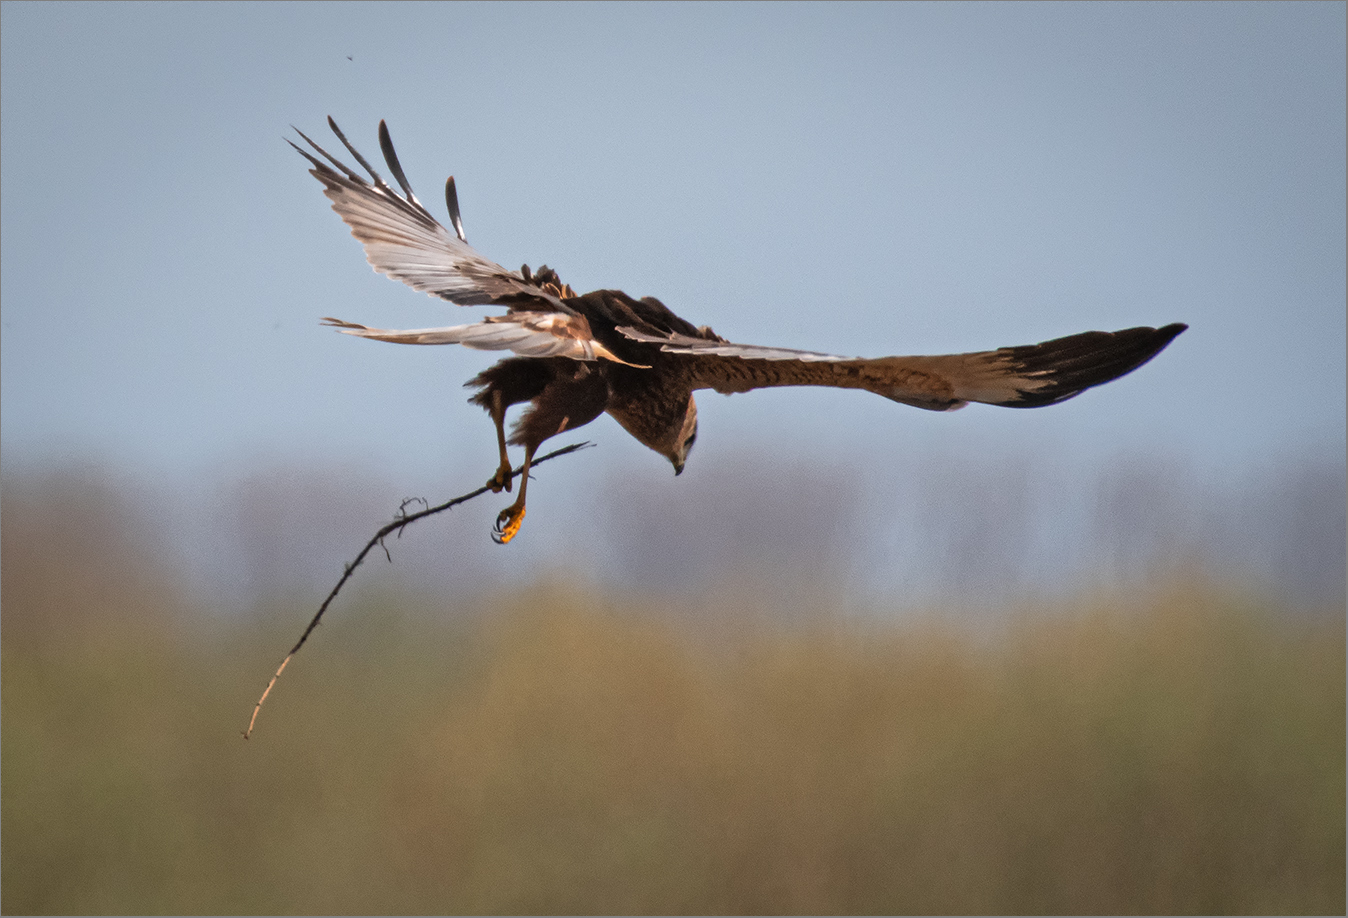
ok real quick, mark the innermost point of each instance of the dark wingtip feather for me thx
(354, 152)
(391, 157)
(325, 154)
(302, 152)
(1170, 332)
(1080, 362)
(452, 202)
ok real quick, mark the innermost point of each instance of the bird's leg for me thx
(501, 480)
(509, 520)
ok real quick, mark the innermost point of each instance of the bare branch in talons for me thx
(401, 521)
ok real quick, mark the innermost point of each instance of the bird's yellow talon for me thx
(507, 524)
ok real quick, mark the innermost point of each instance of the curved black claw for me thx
(508, 522)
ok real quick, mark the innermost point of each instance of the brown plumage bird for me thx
(580, 355)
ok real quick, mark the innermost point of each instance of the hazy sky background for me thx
(859, 179)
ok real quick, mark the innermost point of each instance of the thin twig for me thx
(399, 523)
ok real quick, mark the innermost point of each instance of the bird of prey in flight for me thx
(577, 356)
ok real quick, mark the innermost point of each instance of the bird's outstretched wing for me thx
(529, 334)
(404, 241)
(1028, 376)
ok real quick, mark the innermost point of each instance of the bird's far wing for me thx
(404, 241)
(1028, 376)
(686, 344)
(529, 334)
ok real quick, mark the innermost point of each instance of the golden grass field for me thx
(564, 749)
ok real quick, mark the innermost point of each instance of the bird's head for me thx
(687, 436)
(666, 424)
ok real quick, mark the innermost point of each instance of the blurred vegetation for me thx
(566, 748)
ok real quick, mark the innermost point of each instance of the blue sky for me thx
(869, 179)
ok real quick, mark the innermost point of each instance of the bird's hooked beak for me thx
(687, 437)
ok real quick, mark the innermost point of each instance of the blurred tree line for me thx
(984, 531)
(769, 740)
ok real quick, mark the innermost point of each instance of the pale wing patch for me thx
(528, 334)
(928, 381)
(989, 377)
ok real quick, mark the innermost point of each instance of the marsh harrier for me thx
(577, 356)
